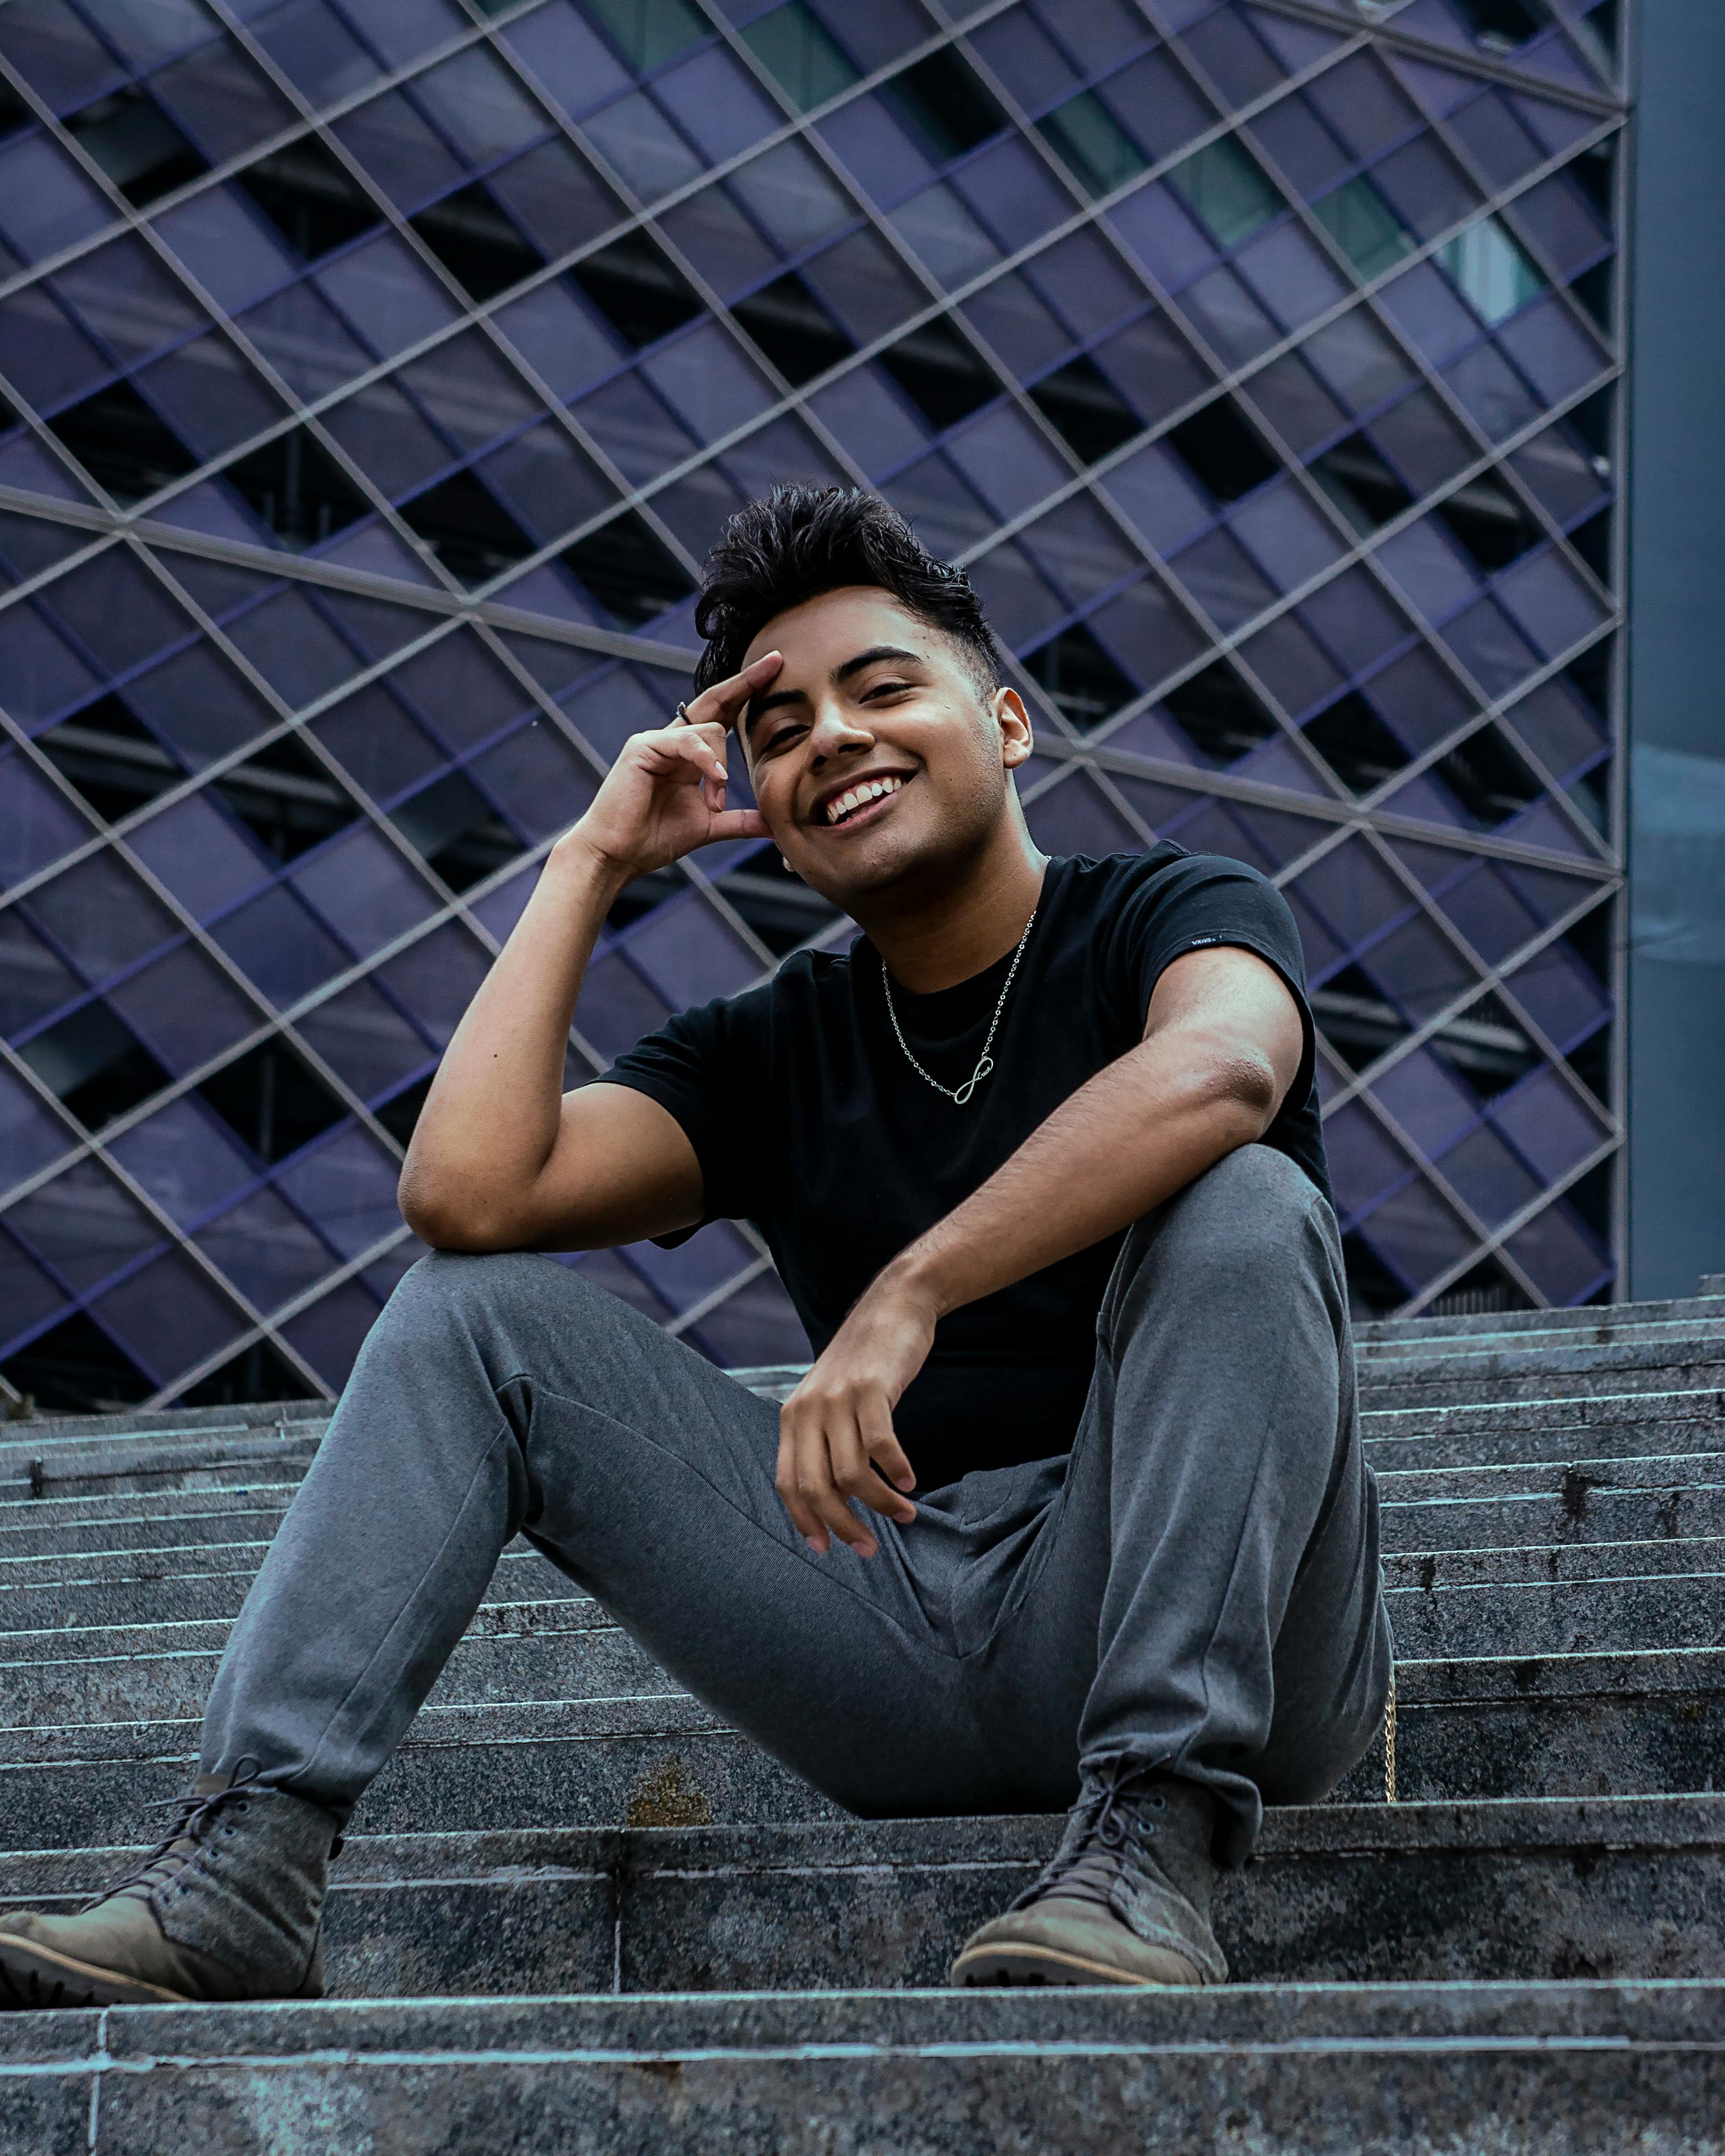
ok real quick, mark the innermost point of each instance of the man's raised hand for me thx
(665, 795)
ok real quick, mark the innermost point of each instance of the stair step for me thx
(1634, 1888)
(203, 1583)
(1544, 2069)
(1524, 1601)
(1564, 1617)
(1531, 1506)
(1680, 1333)
(1492, 1375)
(1505, 1726)
(1692, 1309)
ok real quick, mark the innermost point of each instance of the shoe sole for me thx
(33, 1977)
(1045, 1965)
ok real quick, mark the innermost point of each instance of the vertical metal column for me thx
(1675, 1096)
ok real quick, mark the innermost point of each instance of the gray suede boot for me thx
(227, 1908)
(1125, 1898)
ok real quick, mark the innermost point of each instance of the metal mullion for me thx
(1495, 458)
(95, 1148)
(567, 727)
(1423, 1167)
(298, 414)
(1498, 198)
(1369, 290)
(1494, 1244)
(957, 40)
(195, 929)
(418, 867)
(28, 587)
(715, 1298)
(1489, 712)
(945, 305)
(1497, 984)
(387, 79)
(1592, 48)
(220, 317)
(707, 890)
(198, 781)
(468, 316)
(1224, 785)
(1499, 981)
(1479, 63)
(1489, 455)
(1621, 458)
(269, 1328)
(330, 575)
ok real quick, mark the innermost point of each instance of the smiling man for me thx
(1070, 1510)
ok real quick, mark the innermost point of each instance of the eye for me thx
(885, 689)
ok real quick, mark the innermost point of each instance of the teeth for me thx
(869, 790)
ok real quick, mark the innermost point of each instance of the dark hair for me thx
(803, 541)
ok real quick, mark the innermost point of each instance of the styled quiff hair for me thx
(803, 541)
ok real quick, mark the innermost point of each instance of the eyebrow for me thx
(759, 706)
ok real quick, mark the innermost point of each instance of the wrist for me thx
(579, 861)
(912, 1281)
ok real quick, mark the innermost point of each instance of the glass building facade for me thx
(377, 373)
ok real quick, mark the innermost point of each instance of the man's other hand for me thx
(836, 1442)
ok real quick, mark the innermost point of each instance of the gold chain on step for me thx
(1389, 1741)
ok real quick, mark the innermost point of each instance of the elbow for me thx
(1252, 1084)
(1239, 1082)
(445, 1220)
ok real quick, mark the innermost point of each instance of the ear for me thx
(1017, 740)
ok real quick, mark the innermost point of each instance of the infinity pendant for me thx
(963, 1096)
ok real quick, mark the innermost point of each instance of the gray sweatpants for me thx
(1195, 1585)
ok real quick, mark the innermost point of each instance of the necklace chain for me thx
(961, 1096)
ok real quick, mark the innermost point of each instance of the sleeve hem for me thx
(1302, 1079)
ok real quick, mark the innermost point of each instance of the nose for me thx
(835, 732)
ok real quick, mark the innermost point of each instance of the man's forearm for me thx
(490, 1121)
(1125, 1143)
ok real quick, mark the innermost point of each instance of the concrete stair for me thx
(577, 1913)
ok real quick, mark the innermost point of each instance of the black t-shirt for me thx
(807, 1119)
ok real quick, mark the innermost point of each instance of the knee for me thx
(450, 1288)
(1254, 1218)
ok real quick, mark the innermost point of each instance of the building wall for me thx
(377, 372)
(1676, 1012)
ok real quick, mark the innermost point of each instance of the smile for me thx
(851, 806)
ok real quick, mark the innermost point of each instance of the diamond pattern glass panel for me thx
(1261, 373)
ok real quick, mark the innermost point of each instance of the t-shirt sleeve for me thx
(1201, 900)
(690, 1066)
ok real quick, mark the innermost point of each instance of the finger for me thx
(701, 747)
(814, 1479)
(880, 1441)
(855, 1474)
(738, 824)
(725, 699)
(802, 1517)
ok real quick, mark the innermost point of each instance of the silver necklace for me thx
(960, 1095)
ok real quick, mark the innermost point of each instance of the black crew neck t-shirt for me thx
(808, 1120)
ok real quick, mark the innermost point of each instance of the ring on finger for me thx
(683, 714)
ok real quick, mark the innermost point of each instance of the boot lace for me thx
(1110, 1848)
(194, 1817)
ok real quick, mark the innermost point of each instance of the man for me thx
(1070, 1510)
